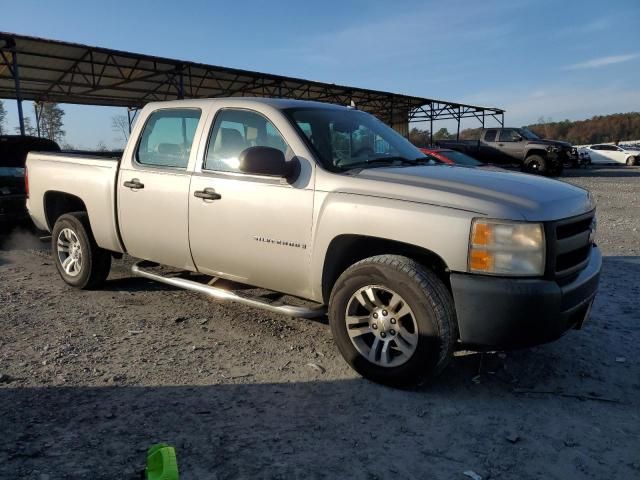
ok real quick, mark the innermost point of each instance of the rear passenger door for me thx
(153, 188)
(258, 229)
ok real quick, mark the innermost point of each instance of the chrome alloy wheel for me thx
(381, 326)
(69, 252)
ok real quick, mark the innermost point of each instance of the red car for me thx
(453, 157)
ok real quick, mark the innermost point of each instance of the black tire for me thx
(631, 161)
(432, 307)
(95, 261)
(535, 164)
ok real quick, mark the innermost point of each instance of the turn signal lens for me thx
(480, 260)
(498, 247)
(481, 234)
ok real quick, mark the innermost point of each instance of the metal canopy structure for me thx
(44, 70)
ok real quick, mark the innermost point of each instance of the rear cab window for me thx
(167, 138)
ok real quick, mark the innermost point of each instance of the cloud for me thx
(603, 61)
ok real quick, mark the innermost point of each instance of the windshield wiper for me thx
(383, 161)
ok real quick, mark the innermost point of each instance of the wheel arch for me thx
(536, 151)
(345, 250)
(58, 203)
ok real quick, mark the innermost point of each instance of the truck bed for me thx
(466, 146)
(88, 177)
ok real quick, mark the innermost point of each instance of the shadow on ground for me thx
(319, 429)
(608, 171)
(135, 284)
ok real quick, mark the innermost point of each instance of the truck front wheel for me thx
(79, 260)
(393, 320)
(535, 164)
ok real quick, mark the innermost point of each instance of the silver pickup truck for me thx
(327, 206)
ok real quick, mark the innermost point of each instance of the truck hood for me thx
(498, 194)
(545, 142)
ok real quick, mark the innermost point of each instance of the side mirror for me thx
(264, 161)
(517, 138)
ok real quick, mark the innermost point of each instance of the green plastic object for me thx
(161, 463)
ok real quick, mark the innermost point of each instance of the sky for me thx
(550, 59)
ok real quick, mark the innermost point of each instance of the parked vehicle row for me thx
(410, 258)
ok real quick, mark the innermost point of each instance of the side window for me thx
(235, 130)
(490, 136)
(167, 138)
(507, 135)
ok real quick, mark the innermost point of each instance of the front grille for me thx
(569, 245)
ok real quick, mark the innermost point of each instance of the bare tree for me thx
(29, 129)
(120, 125)
(51, 122)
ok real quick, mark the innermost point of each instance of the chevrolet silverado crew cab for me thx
(338, 213)
(518, 145)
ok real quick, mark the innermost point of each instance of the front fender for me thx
(443, 231)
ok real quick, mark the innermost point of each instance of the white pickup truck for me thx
(327, 204)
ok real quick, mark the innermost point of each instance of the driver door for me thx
(257, 229)
(511, 144)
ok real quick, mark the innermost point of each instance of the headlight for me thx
(500, 247)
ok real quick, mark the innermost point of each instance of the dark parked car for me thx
(13, 155)
(517, 145)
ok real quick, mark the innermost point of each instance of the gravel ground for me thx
(89, 380)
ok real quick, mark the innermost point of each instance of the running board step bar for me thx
(222, 294)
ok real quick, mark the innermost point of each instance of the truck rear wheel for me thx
(393, 320)
(535, 164)
(80, 261)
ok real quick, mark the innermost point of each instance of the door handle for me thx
(134, 184)
(207, 194)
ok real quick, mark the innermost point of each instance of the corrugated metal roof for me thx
(55, 71)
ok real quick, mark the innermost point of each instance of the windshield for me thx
(345, 139)
(528, 134)
(460, 158)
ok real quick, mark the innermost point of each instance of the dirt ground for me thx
(89, 380)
